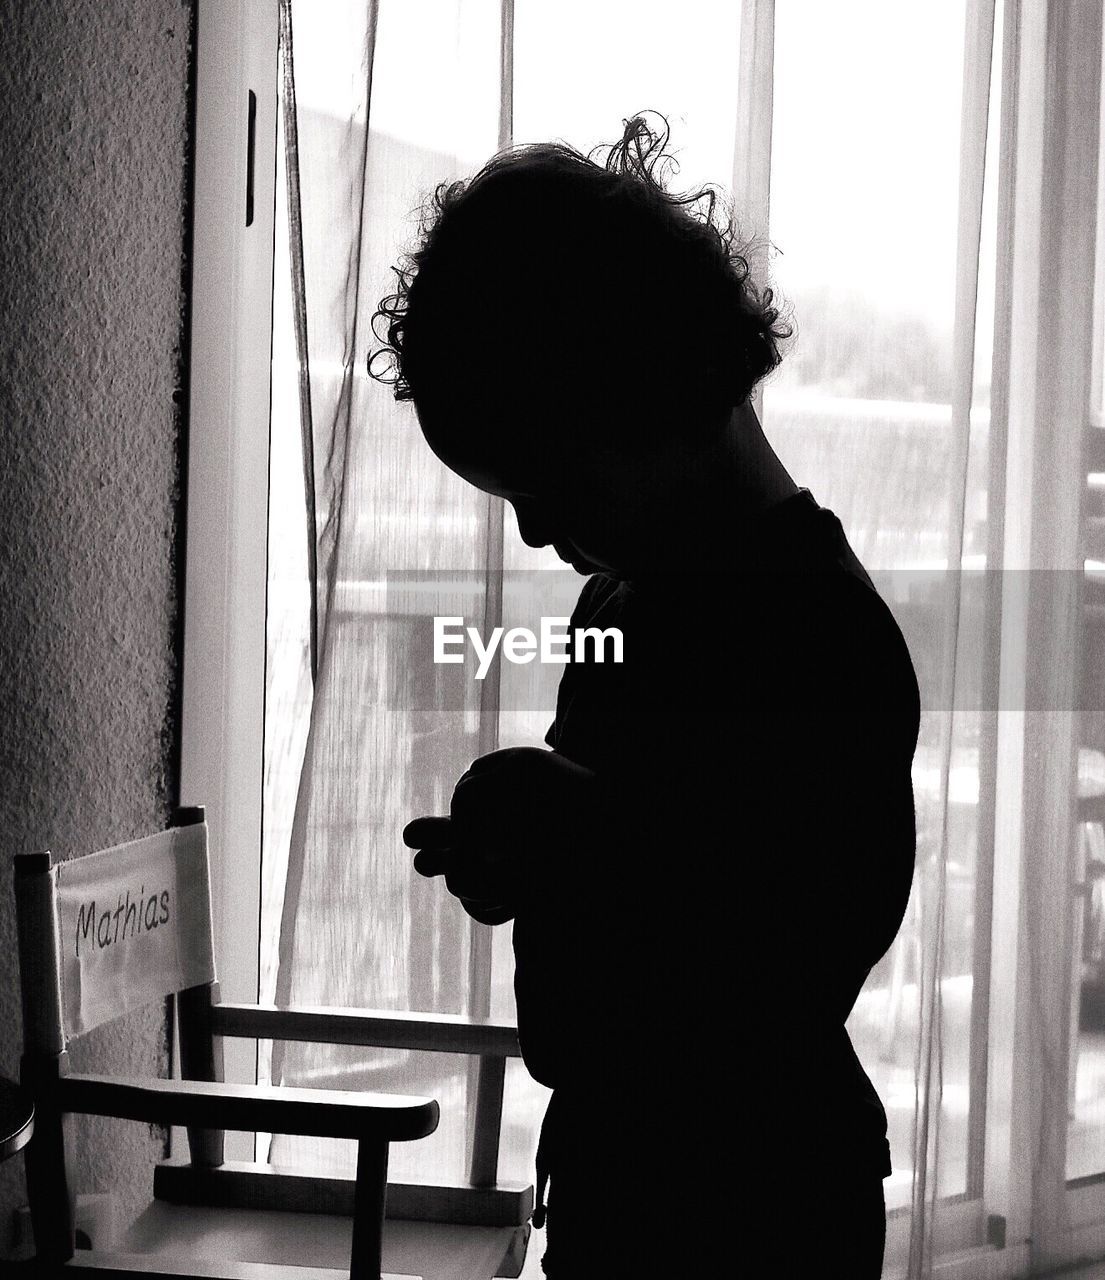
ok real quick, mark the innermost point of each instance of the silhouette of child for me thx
(719, 843)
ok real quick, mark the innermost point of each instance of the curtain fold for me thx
(481, 938)
(378, 108)
(294, 240)
(883, 411)
(330, 400)
(978, 49)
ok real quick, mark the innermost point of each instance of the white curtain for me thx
(886, 409)
(380, 105)
(888, 159)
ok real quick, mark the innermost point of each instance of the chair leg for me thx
(200, 1059)
(201, 1056)
(369, 1195)
(48, 1163)
(483, 1163)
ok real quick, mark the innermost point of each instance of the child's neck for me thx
(695, 511)
(721, 493)
(757, 478)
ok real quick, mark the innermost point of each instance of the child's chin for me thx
(579, 563)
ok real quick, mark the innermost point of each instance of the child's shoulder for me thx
(600, 592)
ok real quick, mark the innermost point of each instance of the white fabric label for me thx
(134, 924)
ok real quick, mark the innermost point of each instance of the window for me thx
(902, 170)
(864, 407)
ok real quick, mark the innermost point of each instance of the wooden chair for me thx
(84, 963)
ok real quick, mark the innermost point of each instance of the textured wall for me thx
(93, 145)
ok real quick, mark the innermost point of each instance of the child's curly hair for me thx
(557, 288)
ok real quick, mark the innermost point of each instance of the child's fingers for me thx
(487, 912)
(428, 833)
(503, 758)
(466, 880)
(433, 862)
(469, 875)
(493, 760)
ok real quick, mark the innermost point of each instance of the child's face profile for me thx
(603, 507)
(553, 507)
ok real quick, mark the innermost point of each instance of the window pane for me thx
(580, 68)
(864, 197)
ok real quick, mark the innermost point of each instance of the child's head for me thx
(559, 312)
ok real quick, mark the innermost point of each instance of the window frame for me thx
(223, 681)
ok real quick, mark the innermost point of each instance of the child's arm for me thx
(512, 812)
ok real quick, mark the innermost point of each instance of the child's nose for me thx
(533, 525)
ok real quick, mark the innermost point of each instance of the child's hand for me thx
(511, 811)
(466, 876)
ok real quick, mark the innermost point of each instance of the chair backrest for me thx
(108, 932)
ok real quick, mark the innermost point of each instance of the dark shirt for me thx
(687, 971)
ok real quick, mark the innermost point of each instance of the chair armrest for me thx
(323, 1113)
(439, 1032)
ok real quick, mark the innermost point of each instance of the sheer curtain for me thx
(885, 408)
(354, 926)
(887, 161)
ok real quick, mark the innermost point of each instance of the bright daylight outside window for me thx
(884, 245)
(863, 409)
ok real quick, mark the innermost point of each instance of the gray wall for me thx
(94, 128)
